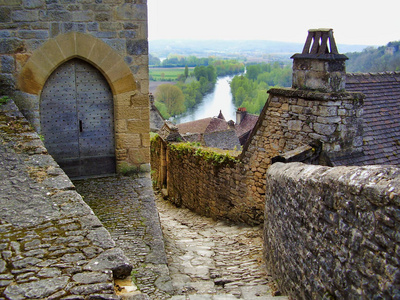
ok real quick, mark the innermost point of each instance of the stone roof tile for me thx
(222, 139)
(381, 118)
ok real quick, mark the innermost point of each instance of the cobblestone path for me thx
(211, 259)
(207, 259)
(126, 207)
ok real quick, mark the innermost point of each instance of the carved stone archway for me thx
(131, 107)
(74, 44)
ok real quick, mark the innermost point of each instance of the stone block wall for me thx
(333, 232)
(295, 118)
(37, 36)
(204, 185)
(316, 73)
(157, 160)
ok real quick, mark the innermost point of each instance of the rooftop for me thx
(381, 143)
(245, 127)
(203, 125)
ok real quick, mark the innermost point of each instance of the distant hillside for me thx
(381, 59)
(269, 50)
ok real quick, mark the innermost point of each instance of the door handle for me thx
(80, 126)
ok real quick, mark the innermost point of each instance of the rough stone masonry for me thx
(333, 232)
(52, 245)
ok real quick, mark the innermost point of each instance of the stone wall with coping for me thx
(203, 185)
(333, 232)
(36, 36)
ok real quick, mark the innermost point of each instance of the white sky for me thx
(354, 22)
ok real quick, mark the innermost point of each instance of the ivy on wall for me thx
(215, 158)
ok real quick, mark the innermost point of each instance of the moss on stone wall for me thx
(213, 157)
(208, 181)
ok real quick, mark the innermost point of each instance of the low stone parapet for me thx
(52, 244)
(333, 232)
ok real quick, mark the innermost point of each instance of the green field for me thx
(166, 74)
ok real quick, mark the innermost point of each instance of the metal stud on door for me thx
(77, 120)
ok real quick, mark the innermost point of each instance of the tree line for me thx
(371, 59)
(176, 60)
(250, 90)
(191, 87)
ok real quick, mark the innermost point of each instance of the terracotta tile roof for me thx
(206, 125)
(198, 126)
(217, 124)
(216, 131)
(381, 118)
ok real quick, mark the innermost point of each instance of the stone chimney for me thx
(317, 108)
(240, 114)
(319, 67)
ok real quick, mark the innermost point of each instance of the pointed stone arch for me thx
(131, 106)
(64, 47)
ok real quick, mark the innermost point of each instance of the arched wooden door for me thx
(77, 120)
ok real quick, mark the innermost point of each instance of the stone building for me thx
(156, 119)
(214, 132)
(78, 71)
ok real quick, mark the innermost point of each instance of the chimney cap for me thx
(320, 44)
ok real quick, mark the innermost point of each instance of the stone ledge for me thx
(306, 153)
(317, 218)
(314, 95)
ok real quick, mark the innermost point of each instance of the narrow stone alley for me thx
(208, 257)
(205, 259)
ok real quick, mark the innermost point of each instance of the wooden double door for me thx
(77, 120)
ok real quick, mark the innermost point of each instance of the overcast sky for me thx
(357, 22)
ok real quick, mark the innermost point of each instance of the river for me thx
(212, 103)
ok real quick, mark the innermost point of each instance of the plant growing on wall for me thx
(216, 159)
(4, 100)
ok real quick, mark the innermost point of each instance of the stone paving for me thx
(211, 259)
(206, 259)
(126, 207)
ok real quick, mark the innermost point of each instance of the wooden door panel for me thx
(77, 120)
(58, 114)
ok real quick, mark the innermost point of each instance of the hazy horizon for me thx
(353, 22)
